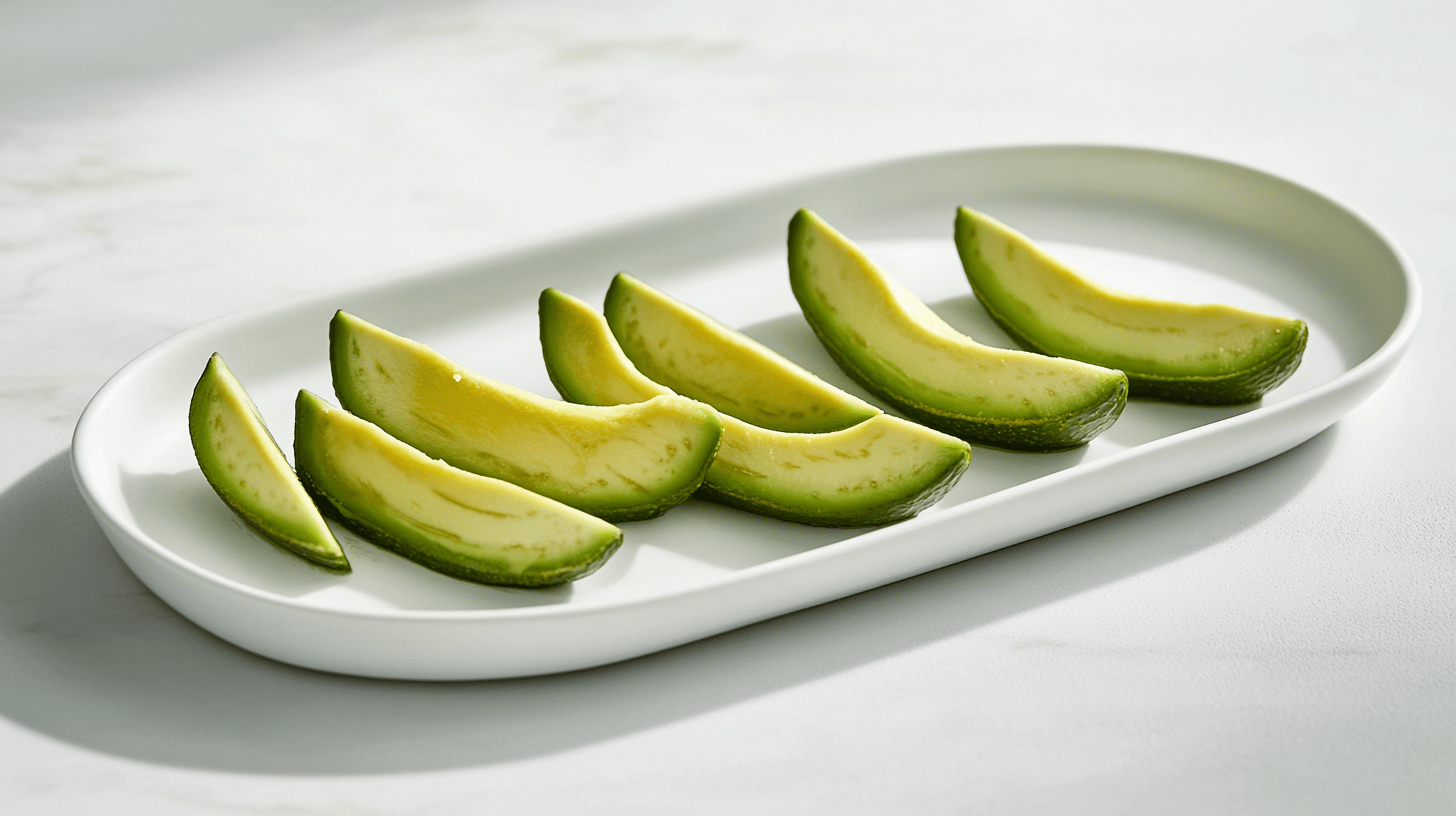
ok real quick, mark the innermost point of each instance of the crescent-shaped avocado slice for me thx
(621, 463)
(244, 464)
(463, 525)
(881, 470)
(1179, 352)
(698, 357)
(895, 346)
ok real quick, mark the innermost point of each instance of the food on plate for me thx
(1201, 354)
(471, 527)
(698, 357)
(880, 470)
(621, 463)
(244, 464)
(884, 337)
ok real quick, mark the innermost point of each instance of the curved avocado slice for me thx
(622, 463)
(698, 357)
(893, 344)
(1179, 352)
(463, 525)
(881, 470)
(244, 464)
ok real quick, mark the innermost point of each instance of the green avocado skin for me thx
(296, 542)
(884, 508)
(1240, 387)
(791, 401)
(410, 543)
(1047, 435)
(882, 378)
(430, 555)
(585, 363)
(612, 507)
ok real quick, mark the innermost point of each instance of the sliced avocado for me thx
(895, 346)
(621, 463)
(1179, 352)
(698, 357)
(244, 464)
(584, 360)
(881, 470)
(463, 525)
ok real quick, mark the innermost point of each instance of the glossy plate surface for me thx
(1157, 223)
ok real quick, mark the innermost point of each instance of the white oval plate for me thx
(1159, 223)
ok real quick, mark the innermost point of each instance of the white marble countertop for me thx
(1282, 640)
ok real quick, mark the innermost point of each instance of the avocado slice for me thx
(457, 523)
(621, 463)
(881, 470)
(895, 346)
(244, 464)
(698, 357)
(1179, 352)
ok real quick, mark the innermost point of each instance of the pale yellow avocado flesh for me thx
(620, 463)
(881, 470)
(698, 357)
(1181, 352)
(247, 469)
(457, 523)
(889, 341)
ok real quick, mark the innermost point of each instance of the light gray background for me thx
(1278, 641)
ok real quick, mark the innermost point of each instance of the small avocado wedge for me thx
(1178, 352)
(698, 357)
(470, 527)
(881, 470)
(244, 464)
(622, 463)
(895, 346)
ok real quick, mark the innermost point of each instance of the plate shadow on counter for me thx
(93, 658)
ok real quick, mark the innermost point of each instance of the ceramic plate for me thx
(1158, 223)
